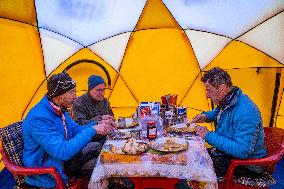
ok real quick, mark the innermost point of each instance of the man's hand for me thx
(200, 118)
(201, 131)
(107, 117)
(109, 122)
(104, 128)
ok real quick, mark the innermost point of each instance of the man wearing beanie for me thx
(52, 138)
(92, 106)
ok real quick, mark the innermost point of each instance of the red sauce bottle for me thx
(151, 130)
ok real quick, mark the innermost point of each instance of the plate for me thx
(181, 128)
(120, 135)
(125, 123)
(169, 144)
(130, 147)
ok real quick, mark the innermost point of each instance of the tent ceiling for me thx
(112, 49)
(206, 45)
(268, 37)
(79, 20)
(212, 16)
(56, 49)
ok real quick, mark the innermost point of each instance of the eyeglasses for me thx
(100, 90)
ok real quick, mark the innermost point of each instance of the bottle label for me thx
(153, 132)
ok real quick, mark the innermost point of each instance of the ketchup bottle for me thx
(151, 129)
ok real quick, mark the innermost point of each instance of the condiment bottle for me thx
(151, 129)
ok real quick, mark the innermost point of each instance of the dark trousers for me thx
(222, 162)
(83, 163)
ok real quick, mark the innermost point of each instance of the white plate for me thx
(169, 144)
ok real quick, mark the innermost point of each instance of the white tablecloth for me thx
(192, 164)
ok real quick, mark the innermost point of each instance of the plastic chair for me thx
(20, 170)
(12, 150)
(274, 143)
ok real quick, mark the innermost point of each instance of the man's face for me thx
(98, 92)
(215, 94)
(66, 100)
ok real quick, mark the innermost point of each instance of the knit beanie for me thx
(59, 84)
(94, 80)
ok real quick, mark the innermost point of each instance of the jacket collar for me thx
(231, 98)
(52, 106)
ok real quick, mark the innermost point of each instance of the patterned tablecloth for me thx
(192, 164)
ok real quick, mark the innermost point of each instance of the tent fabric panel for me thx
(258, 85)
(281, 108)
(196, 96)
(1, 164)
(239, 55)
(206, 46)
(22, 67)
(20, 10)
(56, 49)
(80, 19)
(268, 37)
(159, 68)
(82, 71)
(123, 112)
(280, 122)
(42, 90)
(209, 16)
(112, 49)
(155, 15)
(121, 96)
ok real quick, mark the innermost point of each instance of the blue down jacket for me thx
(45, 144)
(239, 129)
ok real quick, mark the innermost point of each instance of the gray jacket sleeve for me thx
(79, 114)
(109, 109)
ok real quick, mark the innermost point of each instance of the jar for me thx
(151, 129)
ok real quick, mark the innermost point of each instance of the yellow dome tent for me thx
(144, 49)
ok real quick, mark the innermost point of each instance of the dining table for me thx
(192, 163)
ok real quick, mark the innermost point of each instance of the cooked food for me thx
(181, 129)
(169, 145)
(132, 124)
(132, 147)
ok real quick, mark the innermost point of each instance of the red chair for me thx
(12, 150)
(20, 170)
(274, 142)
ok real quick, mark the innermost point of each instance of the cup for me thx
(121, 122)
(136, 134)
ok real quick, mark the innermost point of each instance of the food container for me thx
(136, 134)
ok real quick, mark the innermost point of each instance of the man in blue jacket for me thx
(239, 130)
(51, 137)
